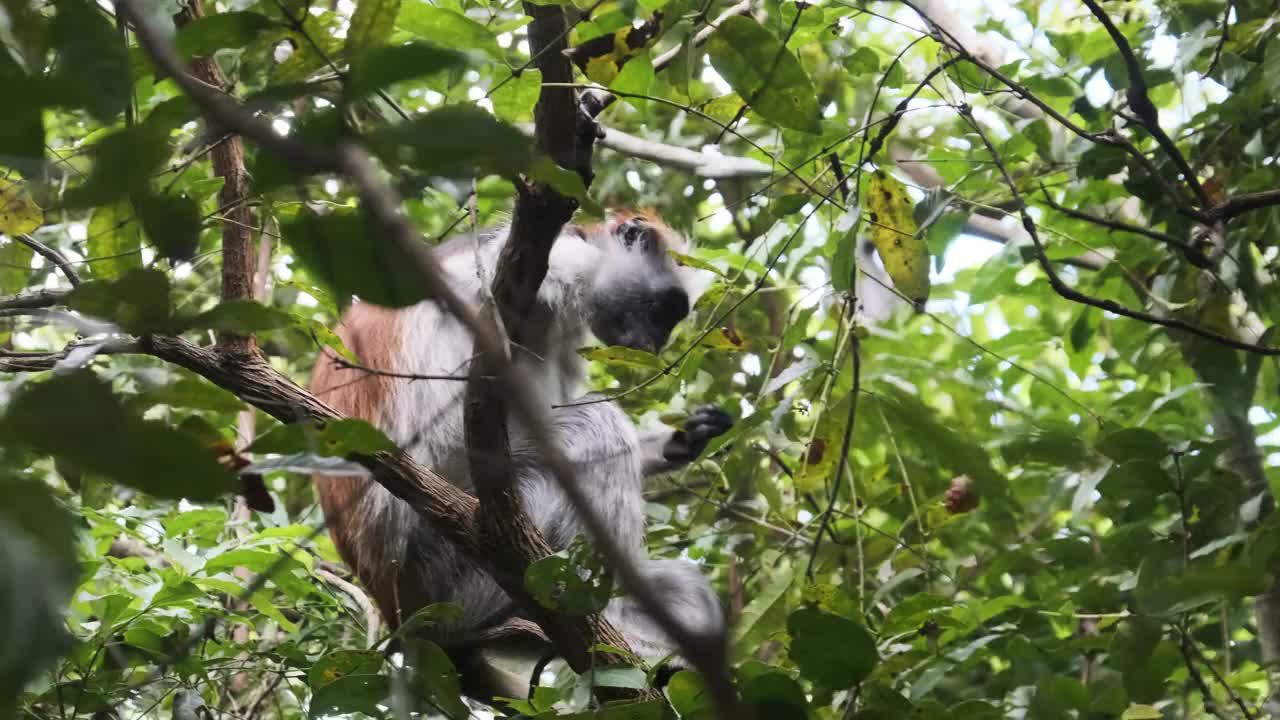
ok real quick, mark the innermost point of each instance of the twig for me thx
(52, 256)
(1222, 40)
(1140, 101)
(1193, 254)
(600, 99)
(345, 364)
(1241, 204)
(1108, 137)
(717, 167)
(1070, 293)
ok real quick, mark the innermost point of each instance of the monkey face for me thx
(638, 296)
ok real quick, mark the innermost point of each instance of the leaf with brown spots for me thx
(904, 253)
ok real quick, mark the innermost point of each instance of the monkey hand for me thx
(706, 423)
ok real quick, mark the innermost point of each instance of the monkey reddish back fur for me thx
(614, 280)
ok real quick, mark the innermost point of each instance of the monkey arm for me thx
(662, 451)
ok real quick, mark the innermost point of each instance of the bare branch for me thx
(1193, 254)
(702, 164)
(660, 62)
(27, 299)
(1241, 204)
(1140, 101)
(220, 108)
(52, 256)
(239, 257)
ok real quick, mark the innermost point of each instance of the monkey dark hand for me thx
(706, 423)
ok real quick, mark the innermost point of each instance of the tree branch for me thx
(239, 256)
(1140, 101)
(29, 299)
(1070, 293)
(52, 256)
(1241, 204)
(1193, 254)
(718, 167)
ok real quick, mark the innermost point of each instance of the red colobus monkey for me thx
(614, 280)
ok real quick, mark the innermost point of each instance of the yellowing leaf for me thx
(1141, 712)
(625, 356)
(724, 338)
(602, 69)
(892, 230)
(18, 212)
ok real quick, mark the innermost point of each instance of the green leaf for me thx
(138, 302)
(258, 561)
(565, 182)
(446, 27)
(38, 572)
(206, 35)
(335, 438)
(172, 223)
(1137, 653)
(752, 627)
(22, 123)
(775, 695)
(193, 394)
(620, 356)
(15, 265)
(764, 73)
(19, 214)
(352, 258)
(1133, 444)
(261, 601)
(573, 581)
(371, 25)
(341, 664)
(441, 685)
(114, 241)
(93, 65)
(243, 316)
(862, 61)
(831, 650)
(455, 140)
(123, 162)
(514, 100)
(689, 697)
(652, 710)
(636, 76)
(380, 67)
(351, 694)
(76, 418)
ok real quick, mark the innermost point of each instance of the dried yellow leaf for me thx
(18, 212)
(892, 229)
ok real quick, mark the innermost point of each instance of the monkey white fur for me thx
(613, 280)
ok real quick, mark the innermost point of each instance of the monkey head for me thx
(639, 292)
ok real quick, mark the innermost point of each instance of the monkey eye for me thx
(635, 231)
